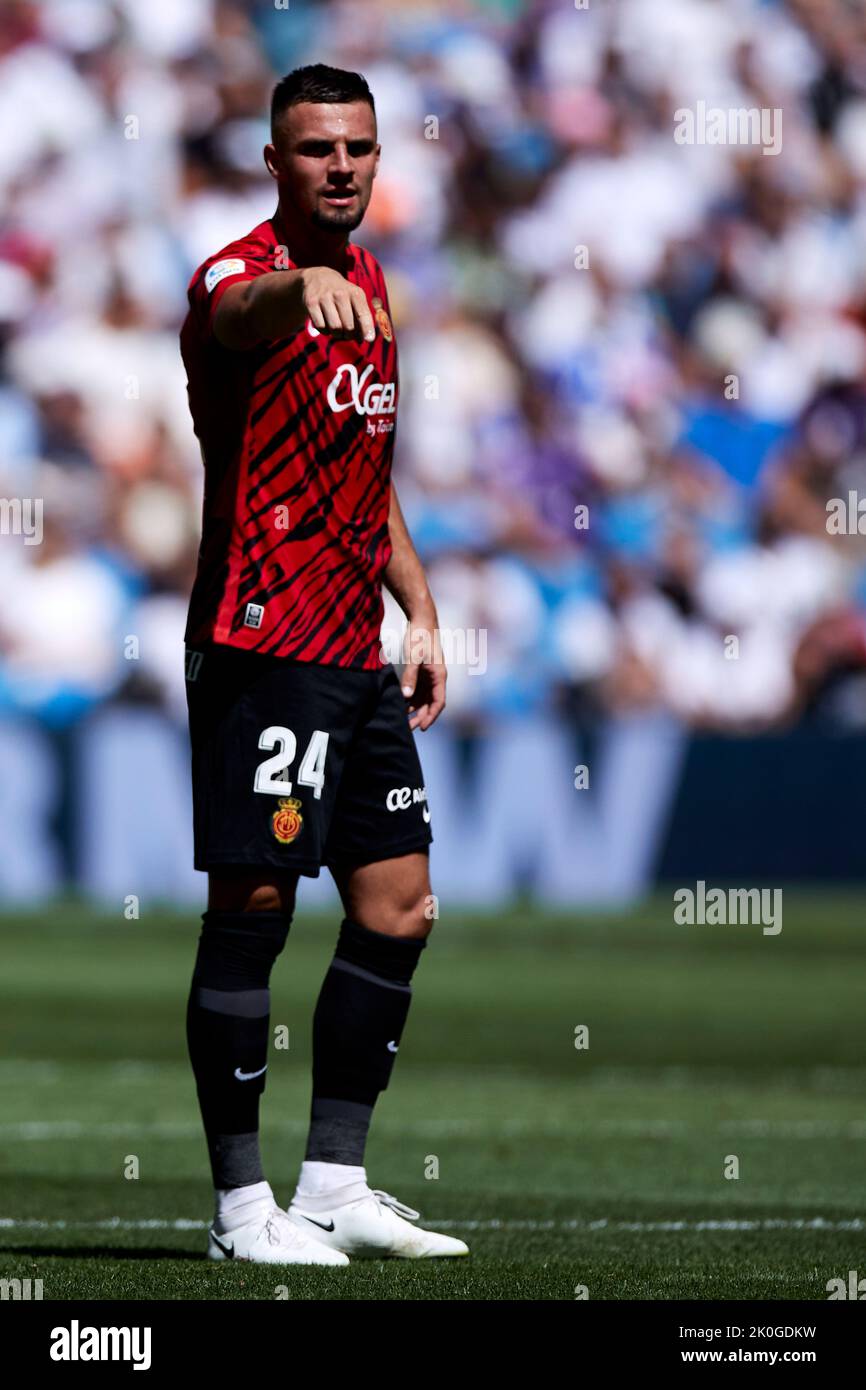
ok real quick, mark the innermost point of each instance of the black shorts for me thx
(296, 765)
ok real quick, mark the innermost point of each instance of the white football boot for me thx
(272, 1239)
(370, 1224)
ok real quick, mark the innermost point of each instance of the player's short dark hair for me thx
(318, 83)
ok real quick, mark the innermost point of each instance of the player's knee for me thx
(406, 914)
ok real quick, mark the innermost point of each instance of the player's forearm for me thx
(261, 310)
(404, 576)
(277, 304)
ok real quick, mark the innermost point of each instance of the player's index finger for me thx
(365, 318)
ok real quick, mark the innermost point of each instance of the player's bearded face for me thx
(325, 159)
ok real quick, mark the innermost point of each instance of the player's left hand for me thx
(424, 676)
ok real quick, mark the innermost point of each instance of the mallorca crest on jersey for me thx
(287, 822)
(381, 316)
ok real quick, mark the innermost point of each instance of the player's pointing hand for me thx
(334, 304)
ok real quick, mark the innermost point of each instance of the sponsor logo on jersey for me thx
(381, 317)
(254, 614)
(220, 270)
(401, 798)
(367, 397)
(287, 822)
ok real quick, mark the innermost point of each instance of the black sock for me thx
(357, 1026)
(227, 1033)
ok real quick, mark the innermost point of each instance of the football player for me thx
(303, 749)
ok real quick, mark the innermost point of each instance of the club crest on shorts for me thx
(381, 316)
(287, 822)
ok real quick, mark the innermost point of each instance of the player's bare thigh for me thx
(391, 896)
(252, 890)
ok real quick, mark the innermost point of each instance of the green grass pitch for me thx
(563, 1168)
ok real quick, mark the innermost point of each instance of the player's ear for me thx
(376, 165)
(272, 161)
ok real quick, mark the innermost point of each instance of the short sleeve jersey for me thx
(297, 437)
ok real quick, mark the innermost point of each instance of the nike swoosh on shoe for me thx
(320, 1224)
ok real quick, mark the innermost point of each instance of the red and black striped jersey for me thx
(297, 436)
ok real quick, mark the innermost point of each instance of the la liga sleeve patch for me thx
(220, 270)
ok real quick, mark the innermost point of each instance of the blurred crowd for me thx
(633, 370)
